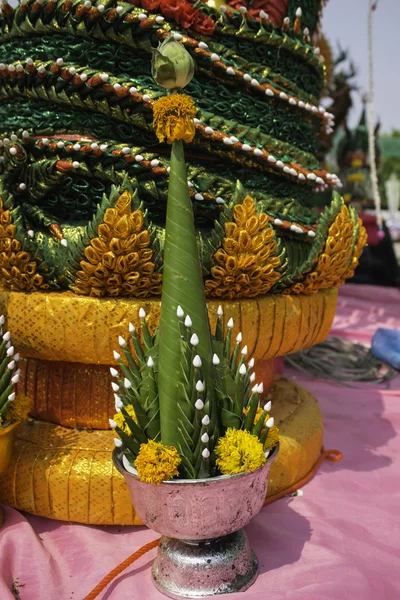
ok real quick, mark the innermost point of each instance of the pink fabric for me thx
(339, 541)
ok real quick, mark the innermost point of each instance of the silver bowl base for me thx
(201, 569)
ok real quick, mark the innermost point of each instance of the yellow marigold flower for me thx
(173, 118)
(272, 439)
(258, 414)
(239, 451)
(156, 463)
(120, 420)
(18, 409)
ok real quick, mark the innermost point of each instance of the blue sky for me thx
(347, 21)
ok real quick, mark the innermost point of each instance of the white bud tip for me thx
(194, 340)
(116, 354)
(64, 243)
(15, 379)
(16, 357)
(114, 372)
(10, 351)
(267, 407)
(11, 397)
(127, 383)
(245, 351)
(239, 337)
(220, 312)
(179, 312)
(31, 233)
(197, 362)
(112, 423)
(121, 341)
(118, 402)
(205, 420)
(300, 493)
(117, 442)
(150, 362)
(266, 453)
(7, 336)
(252, 377)
(205, 438)
(188, 321)
(200, 386)
(299, 12)
(115, 386)
(199, 404)
(230, 323)
(242, 370)
(2, 320)
(142, 313)
(270, 422)
(254, 389)
(215, 360)
(251, 363)
(206, 453)
(131, 328)
(261, 388)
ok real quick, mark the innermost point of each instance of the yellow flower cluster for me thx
(156, 463)
(335, 264)
(239, 451)
(173, 118)
(246, 265)
(119, 261)
(120, 419)
(17, 268)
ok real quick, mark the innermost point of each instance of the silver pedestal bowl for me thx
(204, 551)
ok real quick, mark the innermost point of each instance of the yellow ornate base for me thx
(68, 474)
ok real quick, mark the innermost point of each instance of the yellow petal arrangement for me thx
(187, 405)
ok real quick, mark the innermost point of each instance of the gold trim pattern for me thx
(81, 329)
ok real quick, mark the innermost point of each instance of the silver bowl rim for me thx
(219, 478)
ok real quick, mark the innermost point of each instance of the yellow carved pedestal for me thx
(62, 465)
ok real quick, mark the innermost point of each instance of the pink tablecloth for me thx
(339, 541)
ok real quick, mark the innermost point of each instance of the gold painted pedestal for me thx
(62, 465)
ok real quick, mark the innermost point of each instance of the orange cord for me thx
(124, 565)
(333, 455)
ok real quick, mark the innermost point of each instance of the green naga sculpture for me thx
(83, 189)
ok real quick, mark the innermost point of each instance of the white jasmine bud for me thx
(142, 313)
(251, 363)
(242, 370)
(205, 420)
(205, 438)
(179, 312)
(10, 351)
(220, 312)
(200, 386)
(270, 422)
(112, 423)
(197, 361)
(117, 356)
(114, 372)
(131, 328)
(194, 340)
(127, 383)
(16, 357)
(188, 321)
(121, 341)
(150, 362)
(254, 389)
(252, 377)
(7, 336)
(267, 406)
(117, 442)
(239, 337)
(244, 351)
(230, 323)
(215, 360)
(206, 453)
(118, 403)
(15, 379)
(260, 388)
(11, 397)
(199, 404)
(11, 365)
(115, 386)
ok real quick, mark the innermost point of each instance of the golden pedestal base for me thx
(68, 474)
